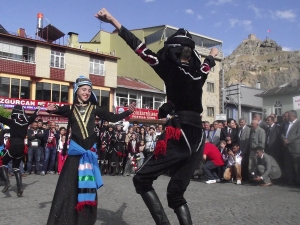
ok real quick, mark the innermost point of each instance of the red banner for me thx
(139, 113)
(9, 103)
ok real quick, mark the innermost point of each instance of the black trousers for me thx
(181, 162)
(15, 152)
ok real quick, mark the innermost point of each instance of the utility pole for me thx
(239, 101)
(223, 91)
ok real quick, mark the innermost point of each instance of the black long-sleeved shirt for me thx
(183, 86)
(18, 130)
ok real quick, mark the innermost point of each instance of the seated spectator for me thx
(267, 168)
(234, 162)
(212, 161)
(223, 151)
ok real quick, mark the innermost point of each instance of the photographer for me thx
(234, 161)
(212, 160)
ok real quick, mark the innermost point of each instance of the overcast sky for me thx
(230, 21)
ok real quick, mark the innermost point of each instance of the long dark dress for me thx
(63, 210)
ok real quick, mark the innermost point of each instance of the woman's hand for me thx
(131, 107)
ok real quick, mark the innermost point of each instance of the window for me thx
(51, 92)
(210, 111)
(122, 99)
(17, 52)
(57, 60)
(210, 87)
(96, 67)
(14, 88)
(158, 102)
(277, 108)
(102, 97)
(147, 102)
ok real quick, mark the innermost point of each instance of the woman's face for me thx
(142, 130)
(84, 93)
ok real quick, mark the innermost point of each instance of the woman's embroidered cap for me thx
(80, 81)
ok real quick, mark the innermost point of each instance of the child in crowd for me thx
(61, 159)
(141, 151)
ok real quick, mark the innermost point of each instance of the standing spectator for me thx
(135, 124)
(141, 151)
(132, 156)
(257, 138)
(150, 141)
(206, 129)
(214, 135)
(120, 147)
(212, 160)
(229, 133)
(274, 144)
(292, 153)
(285, 122)
(266, 169)
(35, 137)
(41, 128)
(234, 164)
(244, 140)
(142, 135)
(50, 138)
(159, 129)
(261, 123)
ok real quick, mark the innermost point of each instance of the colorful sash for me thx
(89, 176)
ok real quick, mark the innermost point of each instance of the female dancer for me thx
(75, 198)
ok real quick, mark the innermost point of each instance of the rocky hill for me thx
(261, 61)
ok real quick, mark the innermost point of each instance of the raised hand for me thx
(51, 107)
(106, 17)
(131, 107)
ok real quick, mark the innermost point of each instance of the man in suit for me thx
(267, 168)
(214, 135)
(273, 140)
(261, 123)
(206, 128)
(229, 134)
(292, 153)
(244, 140)
(285, 122)
(257, 138)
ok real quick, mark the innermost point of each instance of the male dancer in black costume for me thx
(178, 64)
(18, 124)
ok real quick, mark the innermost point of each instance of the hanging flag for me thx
(269, 31)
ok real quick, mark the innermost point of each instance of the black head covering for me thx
(18, 113)
(174, 46)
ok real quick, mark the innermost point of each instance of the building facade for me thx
(250, 103)
(35, 70)
(282, 98)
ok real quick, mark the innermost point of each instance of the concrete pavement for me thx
(221, 203)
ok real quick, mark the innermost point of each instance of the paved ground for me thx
(224, 203)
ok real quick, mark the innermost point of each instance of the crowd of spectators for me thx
(262, 151)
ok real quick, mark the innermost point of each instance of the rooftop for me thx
(285, 89)
(135, 84)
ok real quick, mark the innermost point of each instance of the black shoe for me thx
(157, 211)
(113, 171)
(4, 175)
(183, 215)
